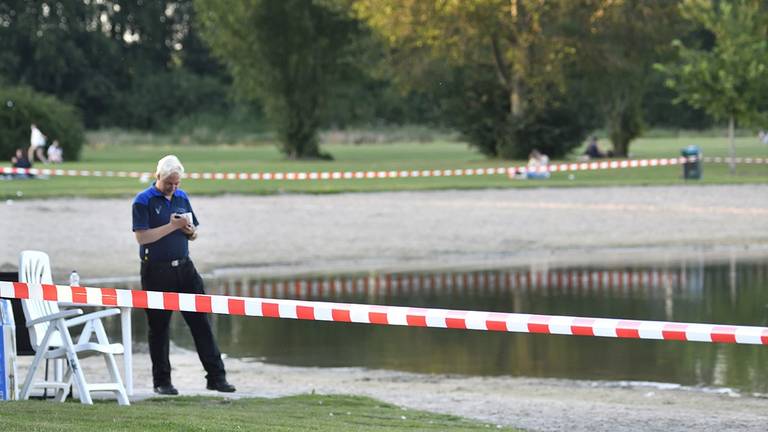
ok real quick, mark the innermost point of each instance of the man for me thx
(593, 150)
(36, 144)
(19, 161)
(163, 222)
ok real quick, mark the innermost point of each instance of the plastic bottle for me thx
(74, 278)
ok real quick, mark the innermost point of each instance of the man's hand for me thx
(190, 231)
(178, 221)
(152, 235)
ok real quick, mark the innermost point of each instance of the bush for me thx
(22, 106)
(554, 130)
(479, 109)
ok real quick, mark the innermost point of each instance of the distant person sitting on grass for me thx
(55, 153)
(538, 164)
(593, 150)
(20, 161)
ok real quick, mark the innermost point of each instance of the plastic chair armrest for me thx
(92, 316)
(63, 314)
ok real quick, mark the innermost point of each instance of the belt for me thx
(174, 263)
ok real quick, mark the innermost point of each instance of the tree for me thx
(728, 80)
(285, 53)
(97, 54)
(507, 60)
(48, 47)
(623, 40)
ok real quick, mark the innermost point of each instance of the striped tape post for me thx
(364, 175)
(390, 315)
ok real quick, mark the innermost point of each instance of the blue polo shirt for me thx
(152, 209)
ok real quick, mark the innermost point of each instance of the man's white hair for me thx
(169, 165)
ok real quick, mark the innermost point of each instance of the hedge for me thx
(21, 106)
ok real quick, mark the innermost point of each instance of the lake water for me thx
(723, 293)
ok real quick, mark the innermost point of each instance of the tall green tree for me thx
(514, 37)
(285, 53)
(622, 42)
(506, 61)
(728, 80)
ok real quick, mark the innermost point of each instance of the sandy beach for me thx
(293, 234)
(298, 234)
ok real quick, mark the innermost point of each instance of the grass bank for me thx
(380, 156)
(296, 413)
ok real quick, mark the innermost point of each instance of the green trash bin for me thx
(692, 167)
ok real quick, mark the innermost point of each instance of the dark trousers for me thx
(183, 279)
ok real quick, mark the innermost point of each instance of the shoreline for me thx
(608, 258)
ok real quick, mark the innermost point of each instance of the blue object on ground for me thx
(692, 168)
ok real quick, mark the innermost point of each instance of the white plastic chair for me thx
(50, 338)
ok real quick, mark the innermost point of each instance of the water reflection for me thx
(401, 286)
(723, 293)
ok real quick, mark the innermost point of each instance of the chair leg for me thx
(61, 394)
(24, 395)
(41, 350)
(109, 359)
(58, 369)
(85, 335)
(74, 364)
(114, 373)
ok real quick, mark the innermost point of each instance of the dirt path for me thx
(300, 233)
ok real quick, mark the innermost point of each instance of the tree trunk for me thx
(514, 92)
(731, 146)
(514, 98)
(620, 146)
(624, 121)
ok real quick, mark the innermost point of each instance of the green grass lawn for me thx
(394, 156)
(296, 413)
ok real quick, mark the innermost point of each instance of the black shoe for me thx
(167, 389)
(221, 386)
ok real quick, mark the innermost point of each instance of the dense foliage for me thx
(100, 56)
(291, 74)
(727, 80)
(542, 57)
(57, 120)
(508, 75)
(473, 103)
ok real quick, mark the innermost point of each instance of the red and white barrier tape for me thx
(362, 175)
(738, 160)
(390, 315)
